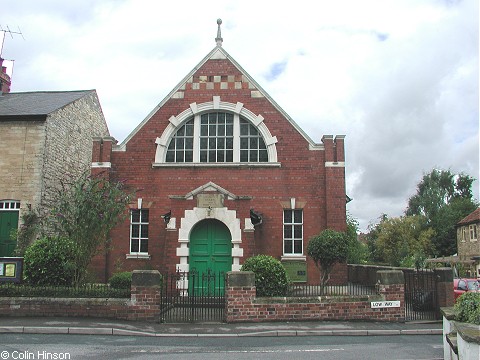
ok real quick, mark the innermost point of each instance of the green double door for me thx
(210, 257)
(8, 223)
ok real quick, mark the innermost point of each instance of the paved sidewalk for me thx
(92, 326)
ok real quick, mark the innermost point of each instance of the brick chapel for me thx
(223, 174)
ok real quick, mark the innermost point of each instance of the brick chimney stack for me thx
(5, 80)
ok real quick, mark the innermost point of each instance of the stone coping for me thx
(317, 299)
(448, 313)
(468, 332)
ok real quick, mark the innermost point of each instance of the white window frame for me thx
(9, 205)
(202, 153)
(293, 238)
(140, 224)
(195, 111)
(464, 233)
(473, 232)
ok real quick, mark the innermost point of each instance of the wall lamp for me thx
(255, 218)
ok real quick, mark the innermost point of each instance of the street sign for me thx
(384, 304)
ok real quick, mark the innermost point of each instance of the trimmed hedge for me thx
(122, 280)
(270, 276)
(467, 308)
(50, 261)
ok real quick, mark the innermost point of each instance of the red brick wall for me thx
(243, 306)
(143, 305)
(302, 175)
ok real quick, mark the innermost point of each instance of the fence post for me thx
(145, 298)
(392, 286)
(444, 280)
(240, 292)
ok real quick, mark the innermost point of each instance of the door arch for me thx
(210, 247)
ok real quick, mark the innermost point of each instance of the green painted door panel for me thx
(8, 222)
(210, 255)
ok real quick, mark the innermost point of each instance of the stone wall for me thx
(35, 155)
(21, 161)
(68, 144)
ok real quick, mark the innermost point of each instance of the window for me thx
(473, 232)
(180, 148)
(293, 232)
(9, 205)
(139, 231)
(252, 146)
(464, 233)
(217, 137)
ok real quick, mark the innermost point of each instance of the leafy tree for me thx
(372, 236)
(444, 223)
(403, 238)
(326, 249)
(438, 188)
(357, 252)
(444, 199)
(87, 209)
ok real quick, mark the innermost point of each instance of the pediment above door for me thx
(211, 187)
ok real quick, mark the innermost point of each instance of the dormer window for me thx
(217, 137)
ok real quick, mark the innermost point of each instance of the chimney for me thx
(5, 80)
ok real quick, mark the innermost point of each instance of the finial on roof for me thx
(219, 38)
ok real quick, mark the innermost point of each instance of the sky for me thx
(398, 78)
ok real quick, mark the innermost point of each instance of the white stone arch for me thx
(197, 109)
(192, 217)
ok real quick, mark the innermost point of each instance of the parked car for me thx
(463, 285)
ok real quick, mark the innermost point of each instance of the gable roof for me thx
(37, 103)
(219, 53)
(471, 218)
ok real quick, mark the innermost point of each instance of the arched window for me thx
(217, 137)
(216, 133)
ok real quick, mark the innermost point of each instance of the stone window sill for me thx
(294, 258)
(138, 256)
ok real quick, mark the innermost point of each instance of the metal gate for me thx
(192, 297)
(421, 302)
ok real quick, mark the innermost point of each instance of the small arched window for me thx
(217, 137)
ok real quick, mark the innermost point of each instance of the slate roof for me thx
(37, 103)
(471, 218)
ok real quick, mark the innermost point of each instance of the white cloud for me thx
(398, 78)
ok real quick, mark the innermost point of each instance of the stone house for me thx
(467, 242)
(223, 173)
(43, 136)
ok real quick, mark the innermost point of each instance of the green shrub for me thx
(121, 280)
(467, 308)
(86, 291)
(50, 261)
(270, 275)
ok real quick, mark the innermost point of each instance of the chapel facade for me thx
(222, 173)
